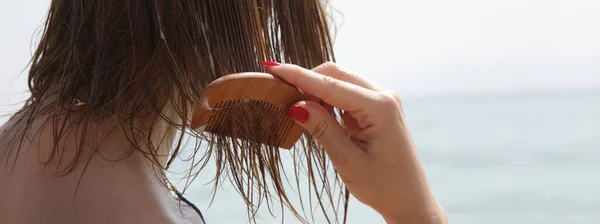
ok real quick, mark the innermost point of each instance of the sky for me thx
(439, 46)
(417, 48)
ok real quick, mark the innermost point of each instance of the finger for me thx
(342, 150)
(327, 107)
(335, 92)
(313, 98)
(350, 124)
(333, 70)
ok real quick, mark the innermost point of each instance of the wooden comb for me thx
(223, 99)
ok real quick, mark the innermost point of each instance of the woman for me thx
(112, 82)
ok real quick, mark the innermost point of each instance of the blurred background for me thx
(502, 98)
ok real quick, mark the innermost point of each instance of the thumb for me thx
(328, 132)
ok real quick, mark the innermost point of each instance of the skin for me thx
(109, 192)
(374, 154)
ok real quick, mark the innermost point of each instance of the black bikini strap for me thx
(180, 196)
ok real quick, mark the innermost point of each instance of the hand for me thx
(373, 151)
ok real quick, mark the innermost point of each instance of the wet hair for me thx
(145, 63)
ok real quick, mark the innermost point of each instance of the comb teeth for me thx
(249, 106)
(251, 120)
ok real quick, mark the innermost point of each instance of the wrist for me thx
(439, 218)
(434, 215)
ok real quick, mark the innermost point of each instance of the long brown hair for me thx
(146, 62)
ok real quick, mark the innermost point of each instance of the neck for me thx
(102, 183)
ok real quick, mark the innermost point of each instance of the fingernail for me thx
(271, 63)
(298, 114)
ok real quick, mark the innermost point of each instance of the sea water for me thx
(506, 158)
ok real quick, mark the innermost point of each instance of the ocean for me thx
(504, 158)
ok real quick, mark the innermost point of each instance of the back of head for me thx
(145, 64)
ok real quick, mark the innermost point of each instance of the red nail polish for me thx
(271, 63)
(298, 114)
